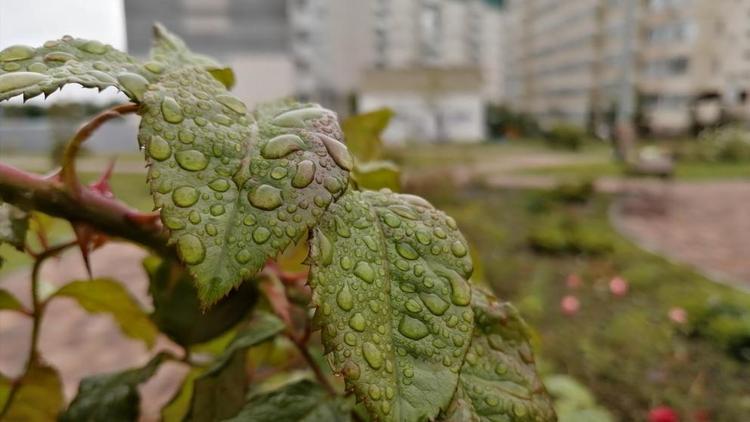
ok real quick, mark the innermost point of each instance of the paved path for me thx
(703, 224)
(79, 344)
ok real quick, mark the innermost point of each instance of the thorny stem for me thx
(68, 172)
(50, 196)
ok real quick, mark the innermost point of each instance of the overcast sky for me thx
(32, 22)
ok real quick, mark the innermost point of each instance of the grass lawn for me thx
(683, 171)
(625, 349)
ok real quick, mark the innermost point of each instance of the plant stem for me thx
(68, 172)
(37, 307)
(319, 375)
(33, 192)
(37, 312)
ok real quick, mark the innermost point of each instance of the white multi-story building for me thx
(673, 61)
(342, 46)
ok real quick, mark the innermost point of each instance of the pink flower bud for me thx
(570, 305)
(618, 286)
(678, 315)
(573, 281)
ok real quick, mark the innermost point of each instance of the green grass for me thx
(626, 350)
(683, 171)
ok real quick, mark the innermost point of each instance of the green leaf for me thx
(170, 51)
(177, 310)
(499, 380)
(377, 175)
(9, 302)
(5, 385)
(389, 278)
(111, 397)
(363, 131)
(219, 392)
(303, 401)
(33, 71)
(235, 189)
(39, 396)
(179, 406)
(13, 226)
(110, 297)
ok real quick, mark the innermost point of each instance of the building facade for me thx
(590, 62)
(340, 44)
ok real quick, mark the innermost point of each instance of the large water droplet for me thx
(413, 306)
(404, 212)
(154, 67)
(185, 196)
(58, 56)
(19, 80)
(134, 84)
(304, 175)
(325, 247)
(265, 197)
(415, 200)
(191, 160)
(243, 256)
(374, 392)
(94, 47)
(406, 251)
(297, 118)
(281, 146)
(37, 67)
(372, 355)
(357, 322)
(344, 299)
(217, 210)
(391, 220)
(364, 271)
(350, 339)
(434, 303)
(413, 328)
(332, 184)
(261, 235)
(458, 249)
(339, 152)
(102, 77)
(171, 110)
(351, 370)
(423, 237)
(219, 185)
(16, 52)
(191, 249)
(460, 289)
(342, 229)
(279, 173)
(232, 103)
(159, 149)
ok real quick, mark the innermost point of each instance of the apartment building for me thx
(252, 36)
(695, 62)
(340, 44)
(590, 62)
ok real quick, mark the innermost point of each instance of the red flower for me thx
(678, 315)
(663, 414)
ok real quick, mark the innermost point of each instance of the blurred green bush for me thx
(727, 144)
(565, 136)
